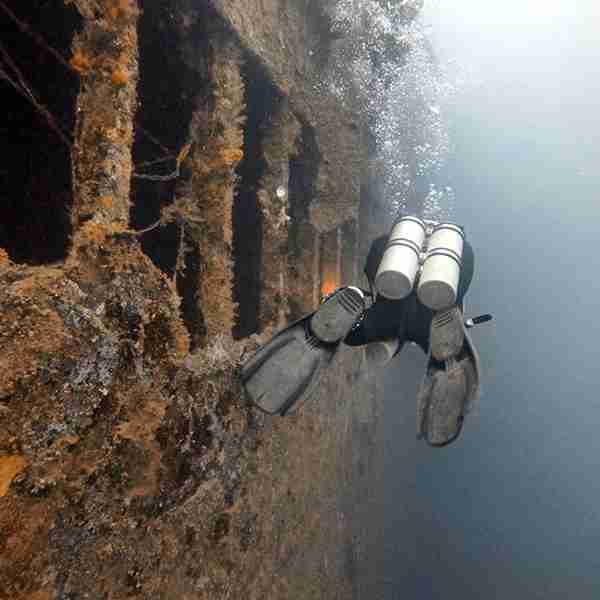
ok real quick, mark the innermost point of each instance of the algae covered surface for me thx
(130, 467)
(205, 189)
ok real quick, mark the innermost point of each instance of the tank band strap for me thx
(445, 252)
(406, 243)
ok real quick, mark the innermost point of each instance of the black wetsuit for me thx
(407, 319)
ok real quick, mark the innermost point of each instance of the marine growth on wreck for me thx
(177, 181)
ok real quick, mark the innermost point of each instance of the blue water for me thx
(512, 509)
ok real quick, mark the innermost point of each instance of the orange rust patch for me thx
(122, 8)
(185, 150)
(120, 76)
(81, 62)
(181, 341)
(142, 425)
(231, 156)
(106, 201)
(10, 466)
(66, 441)
(94, 232)
(5, 261)
(40, 595)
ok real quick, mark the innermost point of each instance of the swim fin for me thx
(451, 382)
(338, 314)
(284, 372)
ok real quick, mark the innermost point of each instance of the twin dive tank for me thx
(435, 256)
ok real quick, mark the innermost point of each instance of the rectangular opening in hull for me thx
(261, 99)
(166, 94)
(39, 89)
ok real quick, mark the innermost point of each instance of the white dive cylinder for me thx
(438, 283)
(399, 265)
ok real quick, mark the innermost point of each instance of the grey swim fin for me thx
(451, 382)
(285, 371)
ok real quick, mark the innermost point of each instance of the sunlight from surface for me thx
(522, 13)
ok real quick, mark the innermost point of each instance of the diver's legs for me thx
(380, 354)
(382, 331)
(385, 319)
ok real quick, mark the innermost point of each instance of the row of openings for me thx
(36, 189)
(167, 98)
(332, 256)
(261, 100)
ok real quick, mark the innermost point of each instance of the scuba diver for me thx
(418, 277)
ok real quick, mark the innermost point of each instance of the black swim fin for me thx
(285, 371)
(451, 382)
